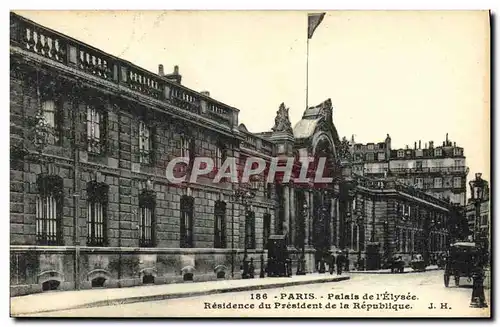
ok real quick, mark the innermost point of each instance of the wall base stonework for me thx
(32, 266)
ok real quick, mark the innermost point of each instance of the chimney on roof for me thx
(420, 144)
(444, 143)
(407, 147)
(431, 144)
(415, 145)
(454, 144)
(425, 145)
(160, 70)
(175, 76)
(446, 138)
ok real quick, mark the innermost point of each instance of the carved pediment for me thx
(323, 110)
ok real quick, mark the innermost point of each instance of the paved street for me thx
(291, 301)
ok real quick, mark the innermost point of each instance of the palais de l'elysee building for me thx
(90, 206)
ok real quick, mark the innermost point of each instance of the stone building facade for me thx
(91, 139)
(439, 170)
(479, 228)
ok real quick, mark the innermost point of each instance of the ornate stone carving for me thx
(282, 120)
(326, 109)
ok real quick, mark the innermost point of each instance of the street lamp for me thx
(359, 222)
(477, 187)
(301, 267)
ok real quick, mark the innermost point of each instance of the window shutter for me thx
(103, 131)
(83, 127)
(155, 139)
(60, 128)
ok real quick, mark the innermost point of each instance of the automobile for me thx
(460, 261)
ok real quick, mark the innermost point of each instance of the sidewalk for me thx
(55, 301)
(407, 270)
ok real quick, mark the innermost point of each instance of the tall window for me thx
(405, 241)
(369, 157)
(185, 147)
(147, 204)
(420, 182)
(52, 114)
(267, 229)
(401, 154)
(381, 156)
(418, 165)
(250, 230)
(269, 190)
(457, 182)
(438, 182)
(187, 221)
(49, 210)
(220, 154)
(94, 129)
(220, 225)
(145, 143)
(438, 152)
(97, 194)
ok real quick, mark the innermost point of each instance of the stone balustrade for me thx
(34, 38)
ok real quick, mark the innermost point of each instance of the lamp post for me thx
(477, 187)
(301, 267)
(359, 222)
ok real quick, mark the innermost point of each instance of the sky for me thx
(415, 75)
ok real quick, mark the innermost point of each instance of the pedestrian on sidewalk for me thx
(346, 260)
(339, 262)
(331, 266)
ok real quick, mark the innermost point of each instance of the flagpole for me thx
(307, 75)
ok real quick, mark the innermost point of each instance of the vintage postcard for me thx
(250, 164)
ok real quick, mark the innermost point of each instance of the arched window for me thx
(147, 218)
(220, 224)
(49, 206)
(97, 194)
(187, 208)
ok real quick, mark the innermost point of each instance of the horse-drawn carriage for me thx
(278, 261)
(397, 265)
(418, 263)
(460, 262)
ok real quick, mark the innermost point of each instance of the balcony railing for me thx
(455, 169)
(61, 49)
(395, 185)
(258, 144)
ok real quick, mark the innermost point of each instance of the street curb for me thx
(376, 272)
(179, 295)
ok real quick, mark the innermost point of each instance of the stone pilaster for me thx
(286, 205)
(293, 217)
(307, 219)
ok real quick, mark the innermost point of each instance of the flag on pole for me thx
(313, 21)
